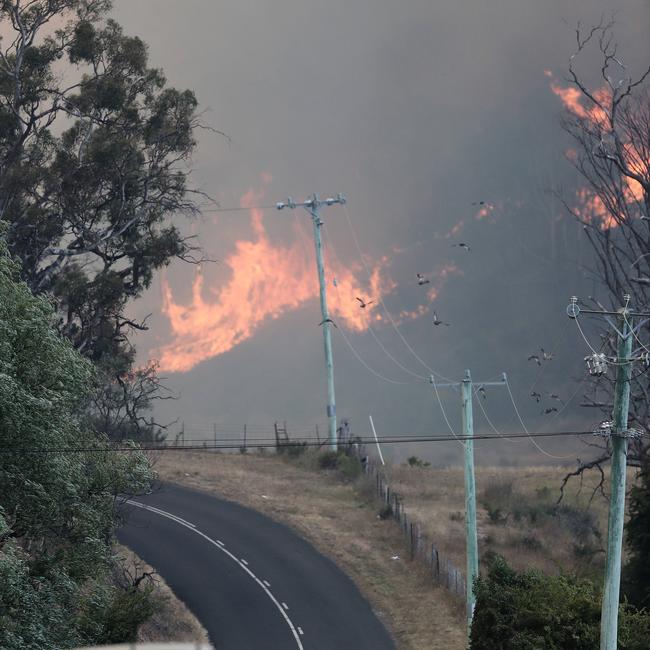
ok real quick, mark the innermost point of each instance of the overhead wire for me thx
(311, 442)
(540, 449)
(488, 420)
(331, 247)
(381, 300)
(444, 414)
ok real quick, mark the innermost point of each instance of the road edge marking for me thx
(194, 529)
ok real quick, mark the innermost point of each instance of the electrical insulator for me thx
(645, 358)
(596, 364)
(604, 429)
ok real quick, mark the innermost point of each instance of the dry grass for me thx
(173, 621)
(550, 542)
(340, 519)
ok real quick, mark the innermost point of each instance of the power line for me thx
(369, 326)
(267, 445)
(541, 449)
(381, 300)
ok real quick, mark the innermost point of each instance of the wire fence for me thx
(420, 547)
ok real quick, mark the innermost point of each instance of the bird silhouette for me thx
(328, 320)
(550, 409)
(421, 279)
(555, 396)
(364, 304)
(547, 356)
(478, 202)
(463, 245)
(535, 358)
(536, 396)
(437, 321)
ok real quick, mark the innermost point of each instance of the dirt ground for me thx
(340, 519)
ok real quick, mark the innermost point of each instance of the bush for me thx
(414, 461)
(350, 467)
(292, 449)
(126, 612)
(328, 460)
(385, 512)
(530, 610)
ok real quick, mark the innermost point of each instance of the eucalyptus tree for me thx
(57, 503)
(94, 155)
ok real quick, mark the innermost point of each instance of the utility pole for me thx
(618, 433)
(471, 535)
(313, 206)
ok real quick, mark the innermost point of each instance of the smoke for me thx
(439, 124)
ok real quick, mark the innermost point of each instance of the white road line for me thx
(194, 529)
(180, 519)
(285, 606)
(267, 583)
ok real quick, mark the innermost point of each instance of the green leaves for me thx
(531, 610)
(57, 507)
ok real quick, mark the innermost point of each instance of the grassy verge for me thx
(518, 515)
(340, 519)
(173, 621)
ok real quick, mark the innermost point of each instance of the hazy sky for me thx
(414, 110)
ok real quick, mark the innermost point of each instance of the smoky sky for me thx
(414, 110)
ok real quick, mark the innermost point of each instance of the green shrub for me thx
(292, 449)
(328, 460)
(414, 461)
(531, 611)
(126, 612)
(350, 467)
(385, 512)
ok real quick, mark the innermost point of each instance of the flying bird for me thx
(437, 321)
(550, 409)
(547, 356)
(463, 245)
(364, 304)
(478, 202)
(536, 396)
(421, 279)
(328, 320)
(555, 396)
(535, 358)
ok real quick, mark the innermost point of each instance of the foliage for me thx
(328, 460)
(530, 610)
(503, 503)
(57, 508)
(636, 575)
(385, 512)
(348, 465)
(291, 449)
(414, 461)
(94, 149)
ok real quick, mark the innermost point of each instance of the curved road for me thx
(252, 582)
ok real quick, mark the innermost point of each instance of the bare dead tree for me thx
(611, 131)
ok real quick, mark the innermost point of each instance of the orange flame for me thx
(266, 280)
(592, 209)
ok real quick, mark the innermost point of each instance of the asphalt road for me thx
(252, 582)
